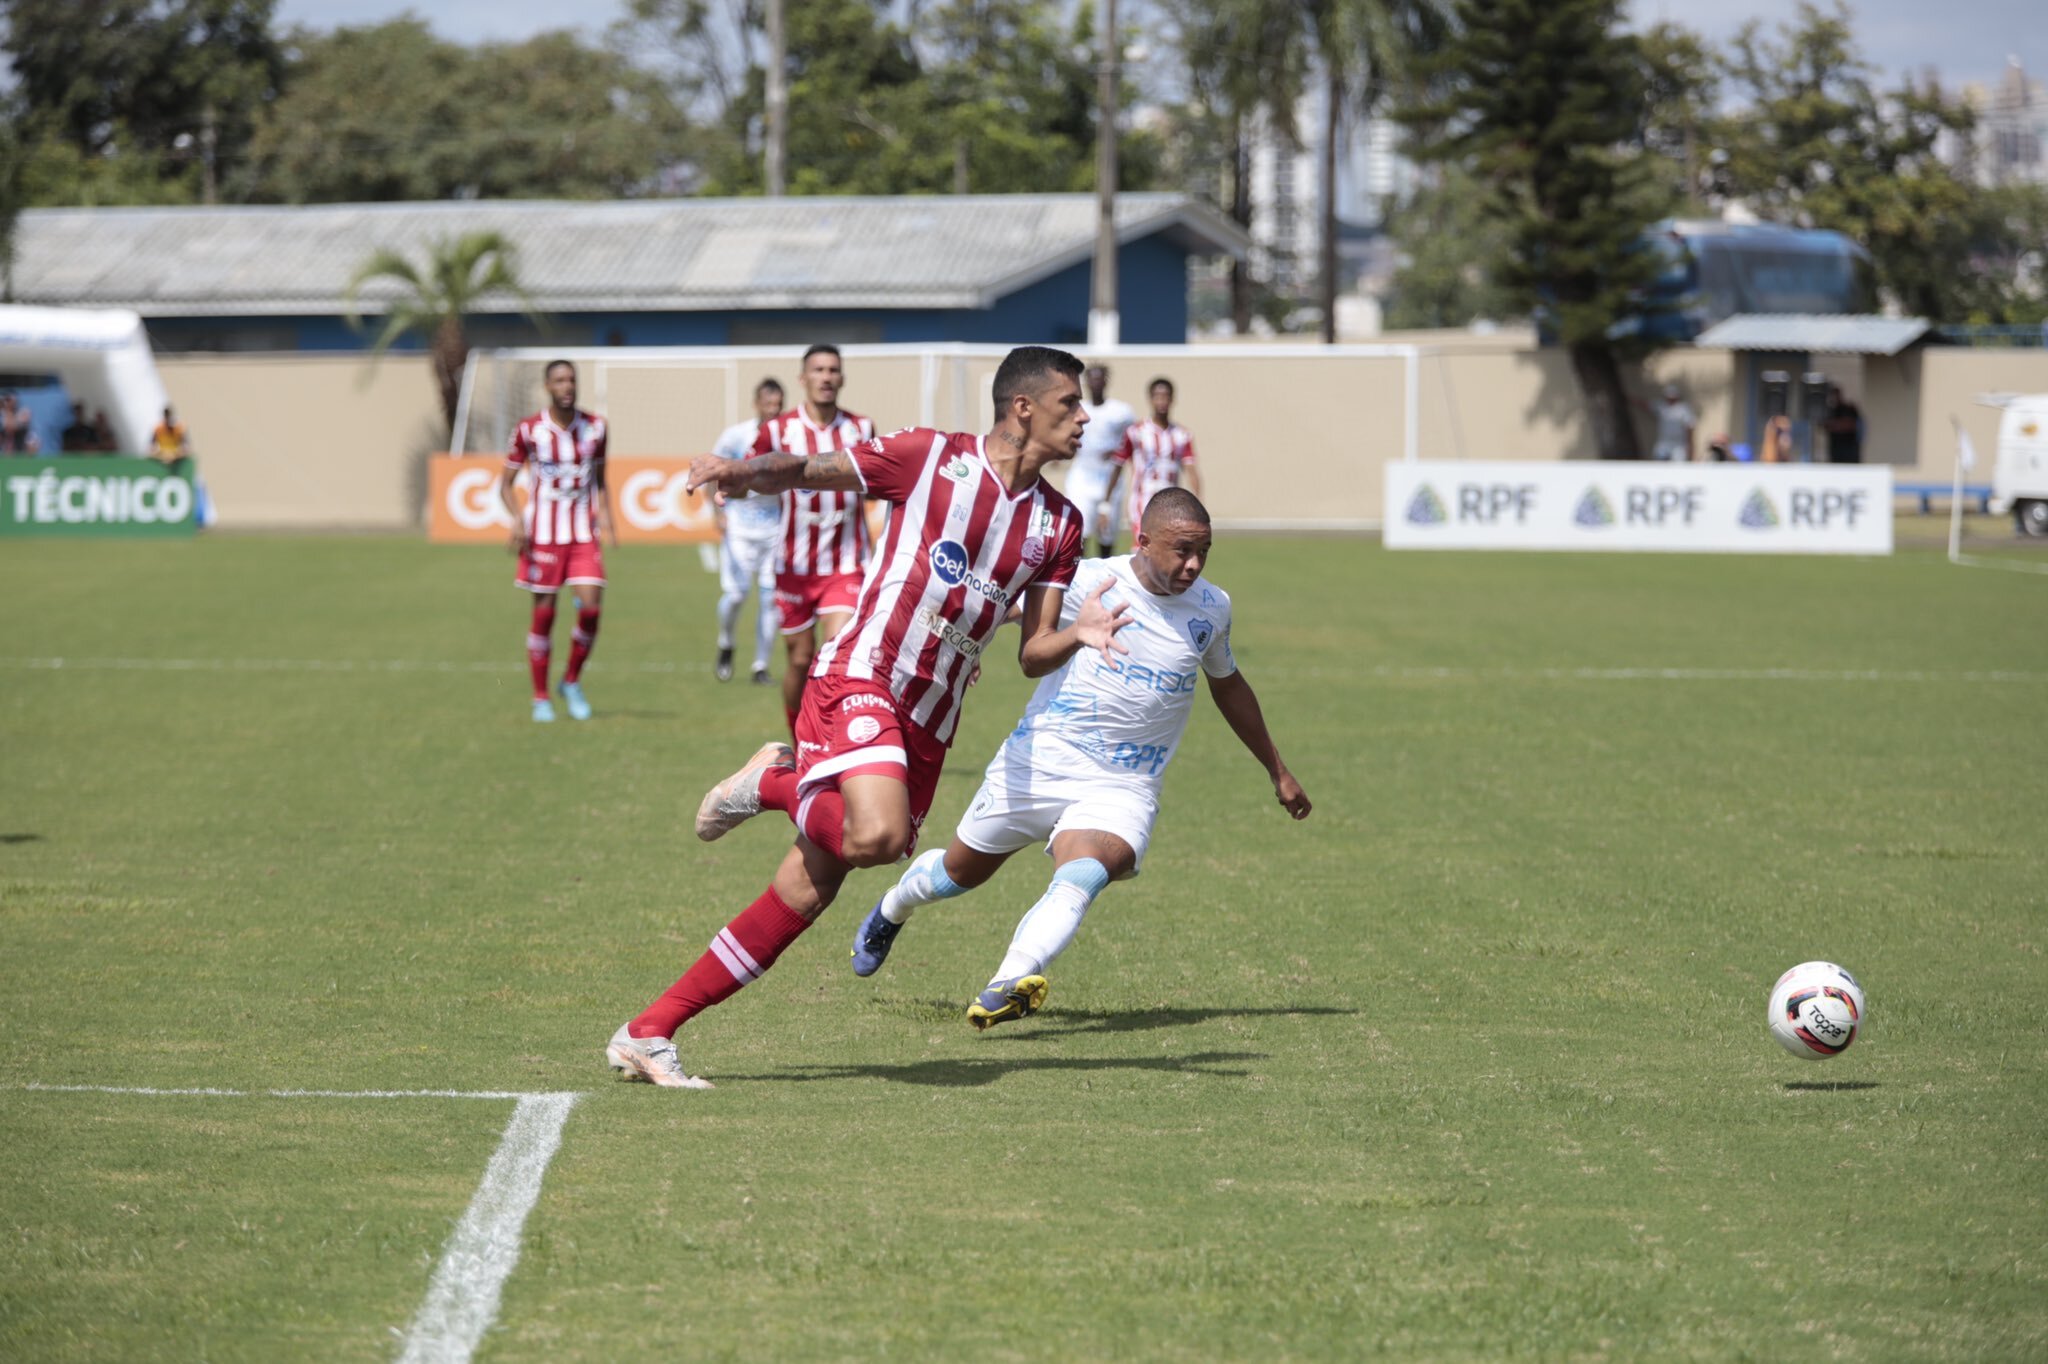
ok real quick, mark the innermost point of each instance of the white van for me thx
(2019, 478)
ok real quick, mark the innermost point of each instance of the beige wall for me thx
(1288, 435)
(306, 441)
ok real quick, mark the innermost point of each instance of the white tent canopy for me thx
(101, 355)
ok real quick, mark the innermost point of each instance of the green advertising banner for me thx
(94, 495)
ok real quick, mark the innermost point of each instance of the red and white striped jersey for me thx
(1156, 455)
(959, 550)
(822, 533)
(564, 468)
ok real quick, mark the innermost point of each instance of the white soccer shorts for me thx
(1013, 810)
(1087, 492)
(745, 559)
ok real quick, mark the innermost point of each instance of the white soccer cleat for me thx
(650, 1059)
(737, 799)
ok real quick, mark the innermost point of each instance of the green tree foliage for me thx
(1447, 245)
(1682, 82)
(434, 298)
(125, 101)
(1545, 107)
(392, 112)
(1814, 142)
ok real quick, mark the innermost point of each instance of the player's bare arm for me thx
(607, 514)
(833, 471)
(506, 478)
(1240, 706)
(1046, 647)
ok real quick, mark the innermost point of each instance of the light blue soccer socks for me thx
(1050, 925)
(924, 881)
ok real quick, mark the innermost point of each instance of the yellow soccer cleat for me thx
(1003, 1000)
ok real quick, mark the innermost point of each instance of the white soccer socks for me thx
(1048, 926)
(924, 881)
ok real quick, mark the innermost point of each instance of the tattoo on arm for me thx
(833, 465)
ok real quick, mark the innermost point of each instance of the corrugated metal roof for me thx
(1827, 334)
(665, 255)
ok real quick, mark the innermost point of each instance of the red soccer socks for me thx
(741, 953)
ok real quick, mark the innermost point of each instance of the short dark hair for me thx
(1162, 379)
(551, 366)
(769, 385)
(1026, 370)
(822, 349)
(1173, 504)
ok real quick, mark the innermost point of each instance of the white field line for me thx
(2010, 565)
(1386, 670)
(462, 1298)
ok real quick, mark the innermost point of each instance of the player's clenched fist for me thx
(1292, 798)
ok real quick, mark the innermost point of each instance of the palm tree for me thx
(435, 300)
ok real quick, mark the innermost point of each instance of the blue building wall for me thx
(1152, 294)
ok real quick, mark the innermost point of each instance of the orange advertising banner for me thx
(647, 493)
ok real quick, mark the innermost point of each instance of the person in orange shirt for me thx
(168, 444)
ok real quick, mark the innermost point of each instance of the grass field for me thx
(1472, 1065)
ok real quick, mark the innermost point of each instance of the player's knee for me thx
(873, 846)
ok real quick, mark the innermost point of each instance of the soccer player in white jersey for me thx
(1081, 772)
(1091, 483)
(750, 531)
(1159, 452)
(973, 528)
(561, 450)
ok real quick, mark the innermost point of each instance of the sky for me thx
(1962, 39)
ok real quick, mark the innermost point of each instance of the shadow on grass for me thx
(21, 838)
(634, 715)
(1058, 1022)
(1828, 1086)
(970, 1072)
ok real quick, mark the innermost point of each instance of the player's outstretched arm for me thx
(1240, 706)
(1046, 647)
(831, 472)
(506, 478)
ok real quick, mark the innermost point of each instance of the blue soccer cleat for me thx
(572, 692)
(872, 941)
(1003, 1000)
(543, 711)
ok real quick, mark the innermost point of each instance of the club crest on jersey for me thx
(1201, 632)
(1033, 551)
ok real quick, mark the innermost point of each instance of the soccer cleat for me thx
(872, 940)
(543, 711)
(652, 1060)
(572, 692)
(1003, 1000)
(761, 677)
(737, 799)
(724, 668)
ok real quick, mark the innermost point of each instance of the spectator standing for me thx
(17, 427)
(1675, 425)
(1844, 426)
(103, 433)
(1778, 440)
(79, 438)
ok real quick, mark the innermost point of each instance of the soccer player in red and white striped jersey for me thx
(824, 532)
(1160, 454)
(973, 529)
(561, 450)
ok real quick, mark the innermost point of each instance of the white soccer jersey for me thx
(1101, 438)
(1126, 715)
(755, 514)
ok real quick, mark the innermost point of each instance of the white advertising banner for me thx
(1629, 505)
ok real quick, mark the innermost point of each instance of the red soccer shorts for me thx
(853, 728)
(803, 598)
(547, 568)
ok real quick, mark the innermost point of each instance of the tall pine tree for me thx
(1543, 102)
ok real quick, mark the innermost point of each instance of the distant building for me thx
(2011, 138)
(1286, 190)
(986, 268)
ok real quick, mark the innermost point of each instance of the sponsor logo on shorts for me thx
(864, 729)
(808, 747)
(1033, 551)
(951, 564)
(542, 556)
(864, 700)
(965, 643)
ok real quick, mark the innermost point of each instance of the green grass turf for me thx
(1471, 1065)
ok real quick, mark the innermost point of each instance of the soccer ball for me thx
(1816, 1010)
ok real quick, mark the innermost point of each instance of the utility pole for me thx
(209, 139)
(778, 102)
(1103, 322)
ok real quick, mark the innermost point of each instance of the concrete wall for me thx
(1287, 435)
